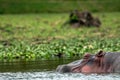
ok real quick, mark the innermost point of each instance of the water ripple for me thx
(49, 75)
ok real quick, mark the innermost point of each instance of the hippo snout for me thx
(63, 68)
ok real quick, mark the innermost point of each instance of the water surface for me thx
(45, 70)
(49, 75)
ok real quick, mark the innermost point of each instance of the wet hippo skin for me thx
(101, 62)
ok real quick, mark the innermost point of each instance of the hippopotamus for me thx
(101, 62)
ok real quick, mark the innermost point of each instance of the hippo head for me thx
(89, 64)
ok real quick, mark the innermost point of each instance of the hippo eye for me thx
(87, 56)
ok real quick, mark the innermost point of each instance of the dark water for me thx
(45, 70)
(37, 66)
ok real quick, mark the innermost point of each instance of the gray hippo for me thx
(102, 62)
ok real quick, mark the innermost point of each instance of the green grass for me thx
(38, 6)
(40, 36)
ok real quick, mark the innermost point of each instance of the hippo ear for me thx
(100, 54)
(86, 56)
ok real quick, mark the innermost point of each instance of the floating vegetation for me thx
(57, 49)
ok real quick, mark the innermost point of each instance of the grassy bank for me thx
(33, 36)
(40, 6)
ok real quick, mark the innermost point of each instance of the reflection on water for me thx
(45, 70)
(38, 65)
(55, 76)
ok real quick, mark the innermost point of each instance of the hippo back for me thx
(113, 59)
